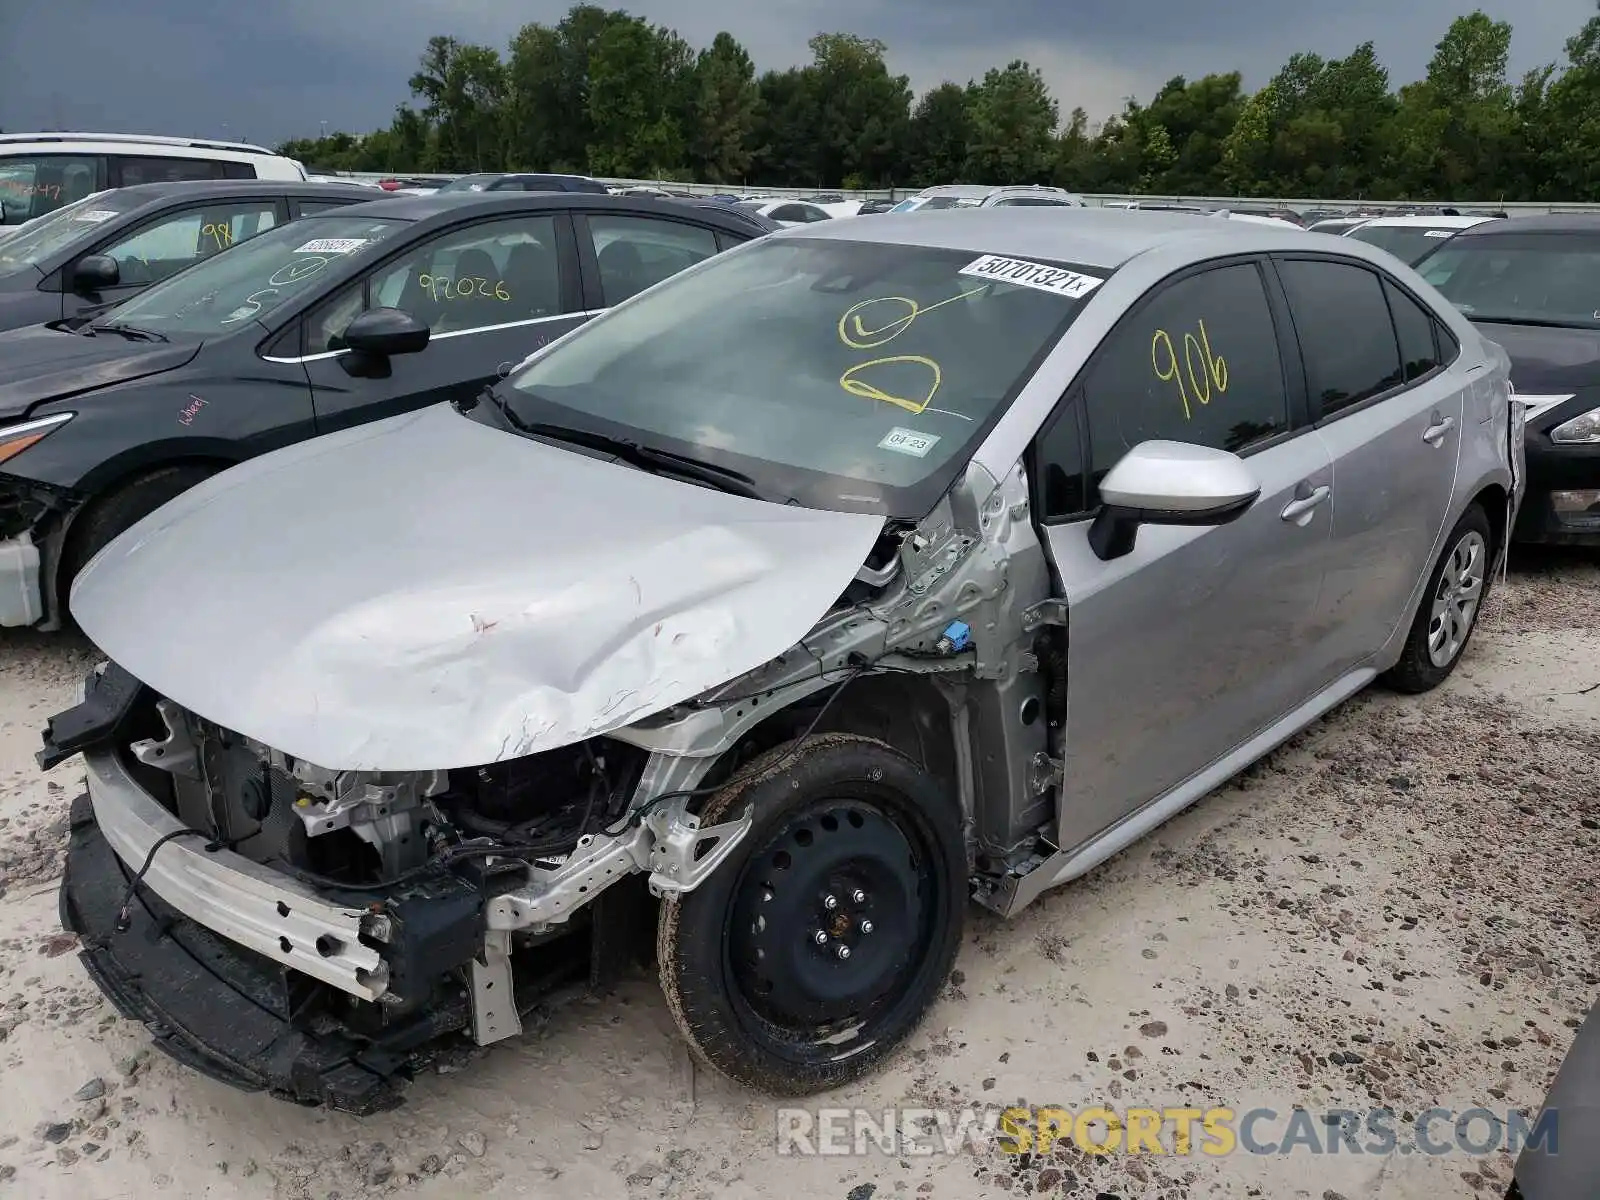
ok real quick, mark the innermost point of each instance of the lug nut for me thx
(843, 952)
(858, 896)
(866, 927)
(820, 937)
(830, 902)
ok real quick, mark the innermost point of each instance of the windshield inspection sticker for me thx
(332, 246)
(1439, 233)
(95, 215)
(1031, 274)
(908, 441)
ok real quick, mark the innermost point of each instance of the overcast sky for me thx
(269, 71)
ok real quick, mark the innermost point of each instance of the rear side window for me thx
(1346, 337)
(35, 184)
(165, 170)
(1198, 363)
(634, 253)
(1414, 329)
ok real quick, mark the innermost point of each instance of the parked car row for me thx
(475, 565)
(737, 570)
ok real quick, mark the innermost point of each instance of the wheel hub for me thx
(826, 918)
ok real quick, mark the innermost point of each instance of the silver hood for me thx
(427, 592)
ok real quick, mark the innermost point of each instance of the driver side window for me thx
(1196, 362)
(492, 273)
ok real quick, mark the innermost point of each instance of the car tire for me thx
(1457, 589)
(751, 960)
(111, 514)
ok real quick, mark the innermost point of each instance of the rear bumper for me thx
(214, 1006)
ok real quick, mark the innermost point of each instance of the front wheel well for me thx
(77, 533)
(906, 712)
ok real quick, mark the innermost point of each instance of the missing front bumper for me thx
(220, 1009)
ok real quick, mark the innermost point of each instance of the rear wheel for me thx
(111, 514)
(1450, 607)
(813, 952)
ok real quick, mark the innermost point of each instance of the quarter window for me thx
(1058, 459)
(1414, 329)
(1198, 363)
(1347, 339)
(180, 239)
(492, 273)
(634, 253)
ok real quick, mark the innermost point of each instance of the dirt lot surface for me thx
(1401, 907)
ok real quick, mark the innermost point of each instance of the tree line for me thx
(603, 92)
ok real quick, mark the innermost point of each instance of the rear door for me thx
(1391, 414)
(492, 292)
(1188, 646)
(171, 241)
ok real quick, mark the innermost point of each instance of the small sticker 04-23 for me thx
(908, 441)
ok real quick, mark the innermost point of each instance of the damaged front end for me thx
(322, 934)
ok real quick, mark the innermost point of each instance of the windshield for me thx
(933, 202)
(250, 279)
(842, 374)
(911, 204)
(1537, 278)
(1408, 243)
(43, 237)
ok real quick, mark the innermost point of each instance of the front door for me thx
(492, 293)
(1194, 642)
(1390, 413)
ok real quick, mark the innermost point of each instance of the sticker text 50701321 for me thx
(1206, 372)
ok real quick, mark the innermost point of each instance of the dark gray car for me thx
(112, 245)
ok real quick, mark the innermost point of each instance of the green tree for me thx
(463, 87)
(634, 81)
(722, 113)
(1014, 119)
(941, 128)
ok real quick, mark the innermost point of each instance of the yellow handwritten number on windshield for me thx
(1207, 373)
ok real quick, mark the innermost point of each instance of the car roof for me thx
(974, 191)
(178, 190)
(1094, 237)
(448, 207)
(1425, 222)
(1566, 222)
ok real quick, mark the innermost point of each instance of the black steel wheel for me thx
(809, 955)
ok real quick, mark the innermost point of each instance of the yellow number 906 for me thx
(1205, 372)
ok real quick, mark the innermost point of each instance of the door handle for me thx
(1303, 506)
(1434, 434)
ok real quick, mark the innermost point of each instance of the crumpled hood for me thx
(428, 592)
(38, 363)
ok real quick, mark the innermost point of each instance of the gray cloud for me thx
(266, 72)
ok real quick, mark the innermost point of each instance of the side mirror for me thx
(94, 272)
(1168, 483)
(386, 331)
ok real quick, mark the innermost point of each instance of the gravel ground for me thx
(1400, 907)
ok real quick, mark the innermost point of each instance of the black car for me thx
(1529, 284)
(526, 181)
(297, 332)
(112, 245)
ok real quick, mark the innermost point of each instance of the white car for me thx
(39, 172)
(1410, 239)
(789, 212)
(1253, 219)
(977, 195)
